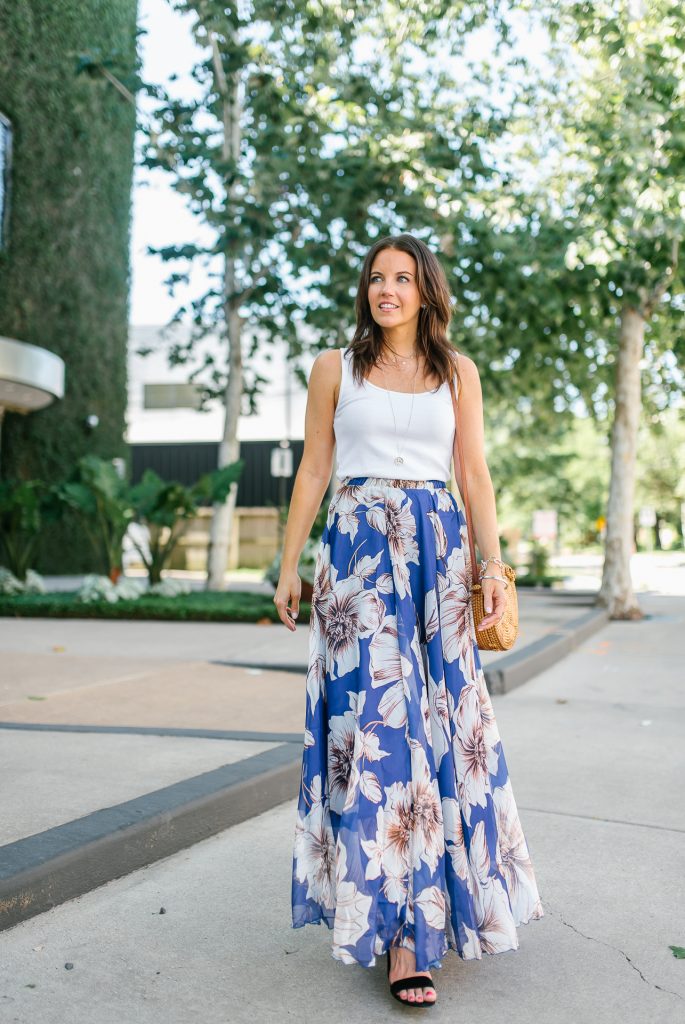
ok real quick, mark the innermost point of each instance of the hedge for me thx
(199, 606)
(64, 275)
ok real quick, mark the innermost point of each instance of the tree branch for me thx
(119, 86)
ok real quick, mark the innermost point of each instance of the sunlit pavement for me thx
(658, 572)
(80, 701)
(594, 750)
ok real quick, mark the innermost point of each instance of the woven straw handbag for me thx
(502, 635)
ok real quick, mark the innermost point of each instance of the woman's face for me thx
(393, 294)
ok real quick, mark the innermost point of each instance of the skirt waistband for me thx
(383, 481)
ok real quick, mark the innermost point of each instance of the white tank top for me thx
(366, 443)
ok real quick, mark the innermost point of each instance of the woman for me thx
(408, 840)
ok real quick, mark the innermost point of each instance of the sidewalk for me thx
(595, 753)
(115, 710)
(158, 735)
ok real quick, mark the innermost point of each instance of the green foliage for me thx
(336, 150)
(106, 505)
(569, 471)
(26, 506)
(167, 508)
(98, 496)
(661, 470)
(565, 468)
(64, 275)
(589, 214)
(538, 564)
(199, 606)
(214, 487)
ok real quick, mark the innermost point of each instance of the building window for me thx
(171, 396)
(5, 167)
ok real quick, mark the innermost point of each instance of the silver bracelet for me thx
(491, 558)
(485, 576)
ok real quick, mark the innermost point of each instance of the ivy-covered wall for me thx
(64, 275)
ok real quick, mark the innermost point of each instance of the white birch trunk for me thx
(616, 591)
(229, 451)
(229, 448)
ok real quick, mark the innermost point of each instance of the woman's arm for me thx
(312, 479)
(481, 491)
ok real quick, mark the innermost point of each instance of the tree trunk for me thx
(658, 543)
(229, 451)
(616, 591)
(229, 448)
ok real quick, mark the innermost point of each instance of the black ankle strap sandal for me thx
(402, 984)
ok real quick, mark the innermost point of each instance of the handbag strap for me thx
(458, 458)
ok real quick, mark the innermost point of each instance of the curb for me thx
(44, 870)
(518, 667)
(507, 672)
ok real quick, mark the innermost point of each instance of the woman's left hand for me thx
(493, 601)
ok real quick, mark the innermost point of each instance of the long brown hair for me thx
(431, 335)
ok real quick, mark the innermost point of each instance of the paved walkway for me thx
(110, 685)
(595, 753)
(269, 644)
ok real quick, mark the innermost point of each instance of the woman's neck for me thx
(401, 343)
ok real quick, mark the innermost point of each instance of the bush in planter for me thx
(26, 506)
(166, 510)
(537, 574)
(101, 588)
(170, 588)
(98, 495)
(107, 504)
(10, 584)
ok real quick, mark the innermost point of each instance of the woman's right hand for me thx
(287, 598)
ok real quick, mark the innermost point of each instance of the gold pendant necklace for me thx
(399, 358)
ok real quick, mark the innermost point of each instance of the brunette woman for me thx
(408, 841)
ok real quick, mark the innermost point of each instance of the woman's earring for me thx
(423, 305)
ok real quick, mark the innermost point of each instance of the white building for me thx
(169, 433)
(162, 405)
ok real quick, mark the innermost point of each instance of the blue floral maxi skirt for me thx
(407, 831)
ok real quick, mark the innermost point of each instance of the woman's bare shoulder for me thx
(467, 367)
(328, 361)
(326, 371)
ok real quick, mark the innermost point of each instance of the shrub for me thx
(101, 588)
(25, 507)
(107, 505)
(166, 510)
(97, 494)
(9, 584)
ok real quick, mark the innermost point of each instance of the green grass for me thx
(199, 606)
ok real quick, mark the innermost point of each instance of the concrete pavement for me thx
(42, 649)
(595, 755)
(114, 769)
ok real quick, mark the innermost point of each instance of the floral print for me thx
(407, 831)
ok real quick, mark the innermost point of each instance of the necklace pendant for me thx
(398, 460)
